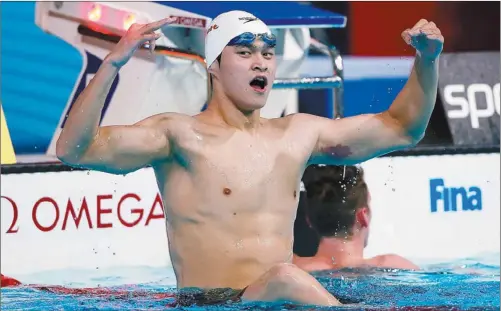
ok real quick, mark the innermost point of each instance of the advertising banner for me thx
(81, 219)
(437, 207)
(434, 207)
(469, 90)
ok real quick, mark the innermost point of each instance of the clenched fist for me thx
(426, 38)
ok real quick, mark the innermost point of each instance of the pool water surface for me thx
(469, 284)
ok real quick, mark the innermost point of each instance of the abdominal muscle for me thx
(223, 259)
(219, 240)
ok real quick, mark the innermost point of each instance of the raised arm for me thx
(356, 139)
(120, 149)
(114, 149)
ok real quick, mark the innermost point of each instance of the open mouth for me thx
(259, 83)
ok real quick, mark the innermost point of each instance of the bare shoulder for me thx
(302, 118)
(170, 124)
(298, 122)
(310, 264)
(392, 261)
(164, 119)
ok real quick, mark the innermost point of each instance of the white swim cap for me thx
(227, 26)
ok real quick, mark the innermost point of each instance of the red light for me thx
(128, 21)
(95, 13)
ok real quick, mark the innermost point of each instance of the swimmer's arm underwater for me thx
(356, 139)
(113, 149)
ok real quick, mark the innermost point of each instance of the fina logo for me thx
(469, 199)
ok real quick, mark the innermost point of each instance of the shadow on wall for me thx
(38, 76)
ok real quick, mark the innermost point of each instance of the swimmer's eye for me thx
(244, 53)
(268, 54)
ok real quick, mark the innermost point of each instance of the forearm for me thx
(414, 105)
(83, 118)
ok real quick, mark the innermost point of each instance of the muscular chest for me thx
(243, 161)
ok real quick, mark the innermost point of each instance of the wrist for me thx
(426, 60)
(110, 61)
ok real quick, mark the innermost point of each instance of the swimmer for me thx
(229, 178)
(338, 209)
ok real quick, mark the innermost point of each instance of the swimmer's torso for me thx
(230, 199)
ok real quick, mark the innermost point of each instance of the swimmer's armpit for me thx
(352, 140)
(124, 149)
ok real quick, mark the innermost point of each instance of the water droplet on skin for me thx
(239, 244)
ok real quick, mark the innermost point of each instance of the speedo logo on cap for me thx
(247, 19)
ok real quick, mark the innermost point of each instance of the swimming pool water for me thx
(469, 284)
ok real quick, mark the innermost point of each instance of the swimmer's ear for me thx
(214, 68)
(363, 216)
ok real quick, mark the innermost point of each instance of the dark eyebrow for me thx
(246, 45)
(253, 47)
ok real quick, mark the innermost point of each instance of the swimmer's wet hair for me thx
(334, 194)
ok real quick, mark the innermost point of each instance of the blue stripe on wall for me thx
(38, 72)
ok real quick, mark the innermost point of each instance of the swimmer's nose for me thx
(259, 66)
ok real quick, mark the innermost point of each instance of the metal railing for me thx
(336, 81)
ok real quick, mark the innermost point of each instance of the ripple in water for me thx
(470, 284)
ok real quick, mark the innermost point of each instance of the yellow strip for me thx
(7, 155)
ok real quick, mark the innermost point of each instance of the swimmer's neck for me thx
(345, 252)
(223, 109)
